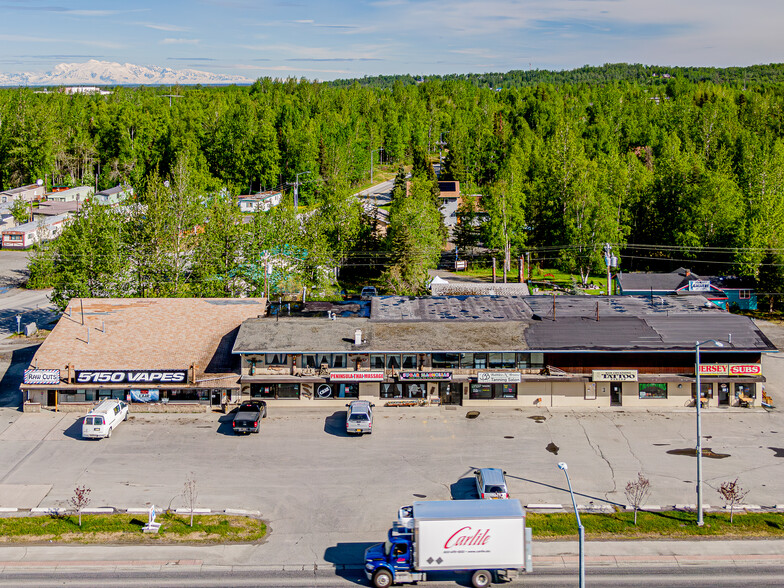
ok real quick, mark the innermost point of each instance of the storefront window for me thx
(706, 390)
(523, 359)
(276, 359)
(337, 390)
(262, 391)
(536, 360)
(182, 395)
(339, 360)
(446, 361)
(653, 390)
(287, 390)
(473, 361)
(415, 390)
(745, 390)
(392, 390)
(492, 391)
(393, 362)
(410, 362)
(501, 360)
(376, 361)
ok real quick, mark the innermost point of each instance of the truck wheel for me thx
(480, 579)
(382, 579)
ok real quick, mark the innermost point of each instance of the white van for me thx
(100, 421)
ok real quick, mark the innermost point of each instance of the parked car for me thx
(104, 418)
(491, 483)
(359, 417)
(368, 292)
(248, 417)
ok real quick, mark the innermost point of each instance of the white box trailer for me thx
(488, 537)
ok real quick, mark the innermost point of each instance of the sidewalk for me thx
(547, 554)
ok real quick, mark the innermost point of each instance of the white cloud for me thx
(169, 41)
(162, 27)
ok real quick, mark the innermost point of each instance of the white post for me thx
(580, 529)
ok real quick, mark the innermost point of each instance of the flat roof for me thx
(149, 333)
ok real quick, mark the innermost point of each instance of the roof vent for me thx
(358, 337)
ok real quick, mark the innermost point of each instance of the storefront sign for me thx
(425, 375)
(42, 377)
(699, 285)
(131, 376)
(499, 377)
(713, 369)
(374, 376)
(614, 375)
(745, 369)
(145, 395)
(324, 391)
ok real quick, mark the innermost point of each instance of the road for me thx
(759, 576)
(377, 196)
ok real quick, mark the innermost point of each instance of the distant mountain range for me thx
(107, 73)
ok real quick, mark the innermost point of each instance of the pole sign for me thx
(499, 377)
(372, 376)
(425, 375)
(614, 375)
(131, 376)
(50, 377)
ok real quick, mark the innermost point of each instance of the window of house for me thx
(536, 360)
(410, 361)
(653, 390)
(393, 362)
(446, 361)
(309, 360)
(339, 360)
(744, 294)
(475, 361)
(276, 359)
(498, 360)
(377, 361)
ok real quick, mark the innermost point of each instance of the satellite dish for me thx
(40, 182)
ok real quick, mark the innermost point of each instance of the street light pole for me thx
(580, 529)
(296, 188)
(698, 404)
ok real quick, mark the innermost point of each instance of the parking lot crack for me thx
(597, 450)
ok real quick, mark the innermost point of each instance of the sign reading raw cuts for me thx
(131, 376)
(42, 377)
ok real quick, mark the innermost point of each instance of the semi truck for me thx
(485, 538)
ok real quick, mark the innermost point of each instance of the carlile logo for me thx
(467, 536)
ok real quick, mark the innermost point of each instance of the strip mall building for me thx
(566, 351)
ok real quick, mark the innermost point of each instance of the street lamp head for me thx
(562, 465)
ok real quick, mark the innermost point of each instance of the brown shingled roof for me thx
(148, 333)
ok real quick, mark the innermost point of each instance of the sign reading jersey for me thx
(131, 376)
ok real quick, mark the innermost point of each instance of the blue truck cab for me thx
(485, 538)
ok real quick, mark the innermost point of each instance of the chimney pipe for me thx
(358, 337)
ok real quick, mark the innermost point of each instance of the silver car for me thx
(491, 483)
(359, 417)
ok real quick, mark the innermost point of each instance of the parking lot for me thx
(324, 492)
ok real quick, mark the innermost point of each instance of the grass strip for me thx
(125, 528)
(658, 525)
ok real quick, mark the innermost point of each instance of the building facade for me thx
(474, 351)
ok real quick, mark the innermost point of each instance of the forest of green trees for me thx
(672, 172)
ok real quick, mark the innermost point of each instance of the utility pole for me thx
(296, 188)
(611, 262)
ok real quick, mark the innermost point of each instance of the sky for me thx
(329, 39)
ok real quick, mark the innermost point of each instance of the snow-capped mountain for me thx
(100, 73)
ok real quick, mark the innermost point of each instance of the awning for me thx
(281, 379)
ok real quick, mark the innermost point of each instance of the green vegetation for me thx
(123, 528)
(656, 525)
(672, 166)
(545, 279)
